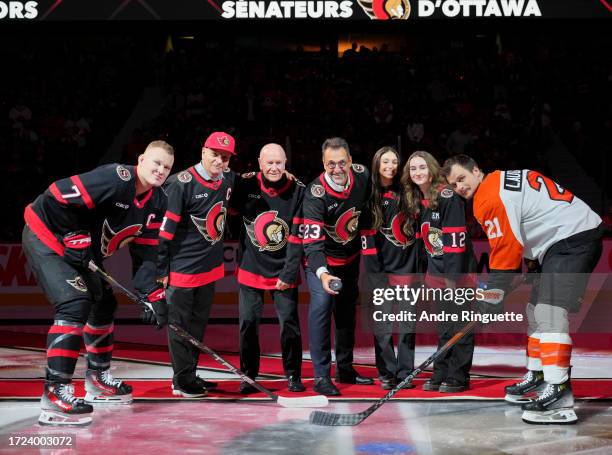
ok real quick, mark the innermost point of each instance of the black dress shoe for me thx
(247, 389)
(387, 383)
(206, 384)
(431, 385)
(325, 386)
(295, 384)
(356, 379)
(453, 386)
(408, 385)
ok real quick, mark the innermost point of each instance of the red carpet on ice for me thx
(482, 388)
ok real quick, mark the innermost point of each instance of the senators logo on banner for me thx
(432, 238)
(213, 226)
(267, 231)
(112, 241)
(397, 233)
(386, 9)
(346, 227)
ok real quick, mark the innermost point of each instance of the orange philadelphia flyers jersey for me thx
(524, 213)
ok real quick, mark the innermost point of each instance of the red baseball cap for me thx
(221, 142)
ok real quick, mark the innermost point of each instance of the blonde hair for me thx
(162, 145)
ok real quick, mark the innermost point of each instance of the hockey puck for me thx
(335, 285)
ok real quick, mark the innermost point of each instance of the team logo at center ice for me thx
(432, 239)
(213, 226)
(112, 241)
(397, 233)
(267, 231)
(346, 227)
(386, 9)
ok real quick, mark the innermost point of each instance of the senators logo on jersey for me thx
(397, 233)
(112, 241)
(213, 226)
(267, 231)
(78, 283)
(346, 227)
(432, 239)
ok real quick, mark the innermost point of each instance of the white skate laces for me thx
(547, 393)
(66, 393)
(103, 388)
(527, 378)
(107, 378)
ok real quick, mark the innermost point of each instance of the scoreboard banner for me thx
(275, 10)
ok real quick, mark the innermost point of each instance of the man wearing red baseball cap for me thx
(191, 253)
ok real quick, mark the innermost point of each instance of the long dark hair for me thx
(376, 198)
(412, 193)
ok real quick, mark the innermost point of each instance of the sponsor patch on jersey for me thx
(446, 193)
(78, 283)
(513, 180)
(123, 173)
(358, 168)
(249, 175)
(185, 177)
(317, 190)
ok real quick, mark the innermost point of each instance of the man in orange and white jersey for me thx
(527, 215)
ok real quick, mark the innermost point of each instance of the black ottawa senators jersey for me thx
(330, 228)
(445, 241)
(270, 247)
(391, 248)
(191, 235)
(103, 202)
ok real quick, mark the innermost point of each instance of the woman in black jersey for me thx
(388, 247)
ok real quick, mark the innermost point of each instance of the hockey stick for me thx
(333, 419)
(316, 401)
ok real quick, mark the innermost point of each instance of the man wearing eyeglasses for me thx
(329, 231)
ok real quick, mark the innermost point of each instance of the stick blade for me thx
(315, 401)
(330, 419)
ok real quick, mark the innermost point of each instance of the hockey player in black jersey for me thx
(450, 261)
(331, 208)
(390, 256)
(88, 217)
(269, 259)
(191, 253)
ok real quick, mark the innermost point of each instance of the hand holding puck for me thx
(335, 285)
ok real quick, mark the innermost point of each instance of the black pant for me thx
(251, 308)
(388, 364)
(189, 308)
(456, 363)
(343, 308)
(566, 269)
(84, 309)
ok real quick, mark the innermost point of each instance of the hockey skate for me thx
(103, 389)
(554, 405)
(527, 389)
(60, 407)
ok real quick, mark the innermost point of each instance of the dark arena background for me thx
(94, 87)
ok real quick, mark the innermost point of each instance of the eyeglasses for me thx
(332, 165)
